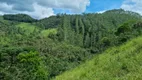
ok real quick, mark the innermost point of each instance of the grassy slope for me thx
(29, 28)
(45, 33)
(1, 17)
(117, 63)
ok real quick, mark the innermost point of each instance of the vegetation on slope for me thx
(54, 57)
(48, 32)
(98, 31)
(75, 39)
(117, 63)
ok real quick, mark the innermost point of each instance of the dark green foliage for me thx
(16, 63)
(51, 22)
(87, 41)
(123, 29)
(19, 18)
(60, 57)
(64, 57)
(128, 30)
(98, 31)
(138, 28)
(105, 42)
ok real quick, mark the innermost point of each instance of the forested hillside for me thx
(33, 49)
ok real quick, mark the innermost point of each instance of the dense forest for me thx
(33, 49)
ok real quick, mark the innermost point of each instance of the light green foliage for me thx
(4, 40)
(33, 66)
(46, 33)
(117, 63)
(28, 28)
(1, 18)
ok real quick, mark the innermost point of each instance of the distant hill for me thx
(19, 17)
(117, 63)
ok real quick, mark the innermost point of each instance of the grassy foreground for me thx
(117, 63)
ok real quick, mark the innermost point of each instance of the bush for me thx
(33, 66)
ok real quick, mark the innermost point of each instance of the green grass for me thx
(117, 63)
(27, 27)
(1, 17)
(30, 28)
(45, 33)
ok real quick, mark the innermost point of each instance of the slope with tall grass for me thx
(117, 63)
